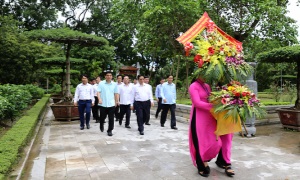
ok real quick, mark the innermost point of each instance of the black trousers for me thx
(117, 112)
(165, 109)
(125, 109)
(142, 113)
(104, 111)
(159, 107)
(148, 116)
(95, 109)
(199, 162)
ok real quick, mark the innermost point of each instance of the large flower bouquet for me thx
(233, 105)
(217, 58)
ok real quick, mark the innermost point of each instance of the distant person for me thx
(168, 95)
(108, 100)
(84, 98)
(125, 91)
(146, 81)
(135, 81)
(117, 110)
(142, 99)
(158, 97)
(95, 108)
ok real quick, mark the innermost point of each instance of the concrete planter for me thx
(289, 118)
(65, 111)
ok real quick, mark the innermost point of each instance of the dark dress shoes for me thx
(148, 124)
(128, 126)
(81, 128)
(175, 128)
(141, 132)
(101, 128)
(162, 125)
(120, 122)
(109, 133)
(88, 126)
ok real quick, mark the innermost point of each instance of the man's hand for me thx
(75, 103)
(165, 100)
(131, 107)
(100, 101)
(157, 100)
(117, 104)
(152, 104)
(93, 104)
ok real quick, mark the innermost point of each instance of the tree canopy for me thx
(279, 55)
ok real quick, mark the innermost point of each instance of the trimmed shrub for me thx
(16, 138)
(35, 91)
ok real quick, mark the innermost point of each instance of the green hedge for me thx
(16, 138)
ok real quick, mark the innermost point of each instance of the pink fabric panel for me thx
(226, 147)
(209, 147)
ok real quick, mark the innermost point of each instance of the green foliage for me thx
(15, 98)
(66, 35)
(61, 61)
(284, 54)
(56, 89)
(16, 138)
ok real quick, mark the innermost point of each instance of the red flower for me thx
(211, 51)
(201, 62)
(188, 47)
(244, 94)
(237, 94)
(197, 58)
(223, 101)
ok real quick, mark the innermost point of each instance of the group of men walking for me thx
(118, 99)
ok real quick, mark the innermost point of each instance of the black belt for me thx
(142, 101)
(84, 99)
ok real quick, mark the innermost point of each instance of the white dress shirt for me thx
(95, 88)
(141, 93)
(125, 92)
(84, 92)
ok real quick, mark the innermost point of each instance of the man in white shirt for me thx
(95, 109)
(141, 101)
(146, 81)
(125, 91)
(84, 98)
(158, 97)
(117, 110)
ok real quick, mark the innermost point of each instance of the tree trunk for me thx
(68, 94)
(297, 103)
(177, 71)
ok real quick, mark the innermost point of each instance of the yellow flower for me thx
(231, 88)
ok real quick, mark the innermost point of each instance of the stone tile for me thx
(53, 165)
(57, 175)
(77, 170)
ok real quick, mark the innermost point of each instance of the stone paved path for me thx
(162, 153)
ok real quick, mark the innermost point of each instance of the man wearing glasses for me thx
(141, 101)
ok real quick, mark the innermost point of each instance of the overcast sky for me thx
(295, 14)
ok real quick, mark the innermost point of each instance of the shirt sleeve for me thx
(156, 91)
(76, 94)
(162, 92)
(150, 93)
(175, 93)
(132, 95)
(99, 88)
(116, 90)
(92, 93)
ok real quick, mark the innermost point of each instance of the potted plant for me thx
(65, 109)
(289, 117)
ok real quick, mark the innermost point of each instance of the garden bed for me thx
(12, 142)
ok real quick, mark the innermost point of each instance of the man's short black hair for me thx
(119, 75)
(83, 75)
(107, 72)
(146, 77)
(169, 76)
(140, 76)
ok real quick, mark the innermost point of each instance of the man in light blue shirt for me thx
(108, 99)
(158, 97)
(168, 95)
